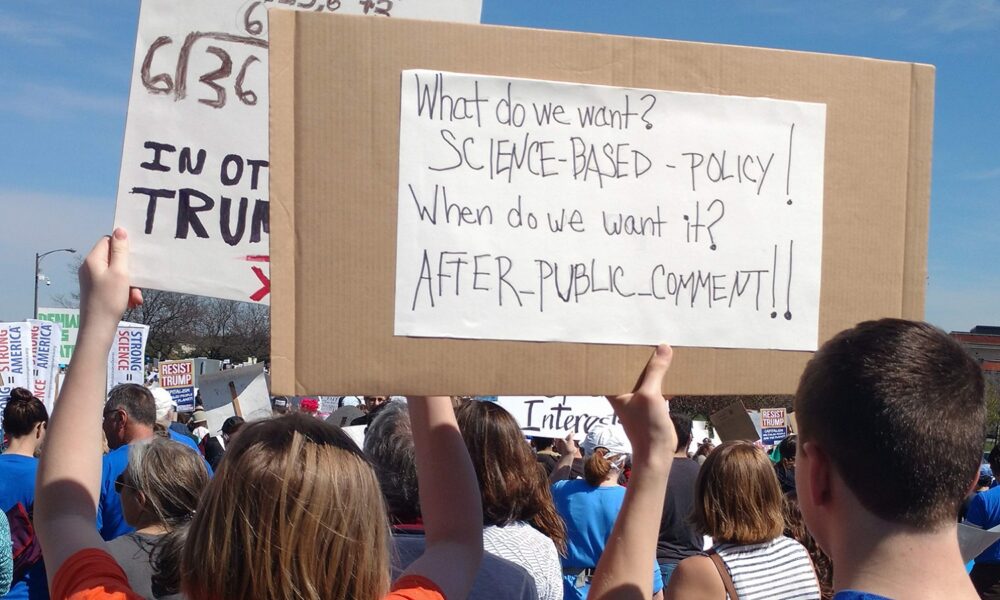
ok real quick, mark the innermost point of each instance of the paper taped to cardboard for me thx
(335, 115)
(192, 191)
(547, 211)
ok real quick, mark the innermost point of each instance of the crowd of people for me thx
(448, 499)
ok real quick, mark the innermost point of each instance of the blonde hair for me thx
(294, 511)
(737, 496)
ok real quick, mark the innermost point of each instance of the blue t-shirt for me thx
(180, 437)
(17, 484)
(110, 519)
(589, 513)
(984, 511)
(856, 595)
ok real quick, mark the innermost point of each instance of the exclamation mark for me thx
(774, 277)
(788, 290)
(788, 172)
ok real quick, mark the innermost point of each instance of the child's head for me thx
(294, 511)
(896, 409)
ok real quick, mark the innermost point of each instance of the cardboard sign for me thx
(973, 540)
(530, 210)
(733, 423)
(337, 204)
(194, 175)
(559, 416)
(46, 338)
(773, 425)
(15, 360)
(127, 358)
(177, 377)
(68, 320)
(235, 392)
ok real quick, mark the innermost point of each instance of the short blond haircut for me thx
(294, 511)
(737, 496)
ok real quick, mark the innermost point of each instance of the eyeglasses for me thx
(120, 483)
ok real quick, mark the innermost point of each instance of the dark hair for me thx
(787, 446)
(993, 458)
(232, 425)
(541, 443)
(682, 425)
(389, 446)
(909, 394)
(23, 413)
(509, 479)
(135, 400)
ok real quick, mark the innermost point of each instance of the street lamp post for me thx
(38, 264)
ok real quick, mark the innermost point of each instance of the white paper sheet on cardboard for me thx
(559, 416)
(546, 211)
(193, 188)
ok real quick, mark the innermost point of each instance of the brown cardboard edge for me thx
(918, 190)
(281, 113)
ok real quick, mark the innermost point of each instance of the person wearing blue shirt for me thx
(129, 417)
(166, 411)
(590, 506)
(984, 512)
(24, 421)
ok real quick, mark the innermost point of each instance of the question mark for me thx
(722, 205)
(645, 112)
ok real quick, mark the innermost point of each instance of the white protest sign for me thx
(543, 211)
(68, 320)
(46, 339)
(973, 540)
(15, 359)
(127, 358)
(193, 187)
(559, 416)
(235, 392)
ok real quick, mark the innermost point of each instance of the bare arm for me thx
(449, 498)
(567, 448)
(69, 472)
(696, 578)
(623, 571)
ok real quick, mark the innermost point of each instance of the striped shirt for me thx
(775, 570)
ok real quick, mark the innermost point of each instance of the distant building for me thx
(983, 343)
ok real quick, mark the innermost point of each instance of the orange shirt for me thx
(415, 587)
(91, 574)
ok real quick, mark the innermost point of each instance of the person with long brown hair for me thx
(521, 522)
(590, 507)
(739, 504)
(268, 525)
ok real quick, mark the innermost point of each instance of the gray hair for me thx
(389, 446)
(170, 475)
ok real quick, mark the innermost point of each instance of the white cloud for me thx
(983, 175)
(49, 101)
(43, 33)
(953, 16)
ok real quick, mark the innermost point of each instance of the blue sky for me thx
(65, 73)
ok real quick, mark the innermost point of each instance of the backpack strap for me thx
(727, 580)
